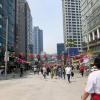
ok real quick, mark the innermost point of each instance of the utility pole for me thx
(6, 47)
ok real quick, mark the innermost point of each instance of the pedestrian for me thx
(68, 72)
(77, 67)
(52, 72)
(82, 68)
(93, 83)
(35, 69)
(59, 71)
(44, 71)
(64, 73)
(21, 69)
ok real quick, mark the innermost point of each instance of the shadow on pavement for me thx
(14, 76)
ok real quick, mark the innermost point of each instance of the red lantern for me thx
(57, 56)
(81, 56)
(36, 55)
(68, 56)
(30, 54)
(44, 55)
(62, 56)
(76, 56)
(51, 56)
(21, 54)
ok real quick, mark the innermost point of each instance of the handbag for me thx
(72, 74)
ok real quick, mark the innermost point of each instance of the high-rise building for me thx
(21, 43)
(72, 24)
(29, 30)
(38, 40)
(23, 27)
(90, 11)
(1, 24)
(7, 13)
(60, 48)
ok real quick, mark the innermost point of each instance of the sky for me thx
(47, 14)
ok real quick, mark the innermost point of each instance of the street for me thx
(34, 87)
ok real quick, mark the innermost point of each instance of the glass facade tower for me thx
(38, 40)
(7, 12)
(90, 11)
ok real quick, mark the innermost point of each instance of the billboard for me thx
(71, 51)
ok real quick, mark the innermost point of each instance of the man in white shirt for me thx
(68, 72)
(93, 84)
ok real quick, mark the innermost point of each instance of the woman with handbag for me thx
(93, 84)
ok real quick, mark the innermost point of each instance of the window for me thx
(0, 16)
(0, 26)
(1, 5)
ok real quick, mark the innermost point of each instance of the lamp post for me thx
(6, 48)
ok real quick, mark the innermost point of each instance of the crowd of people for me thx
(54, 70)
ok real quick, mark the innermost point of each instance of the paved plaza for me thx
(34, 87)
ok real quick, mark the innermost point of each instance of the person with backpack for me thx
(93, 83)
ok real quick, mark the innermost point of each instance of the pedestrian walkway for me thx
(34, 87)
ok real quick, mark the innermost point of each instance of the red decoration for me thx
(51, 56)
(62, 56)
(76, 56)
(57, 56)
(81, 56)
(68, 56)
(44, 55)
(21, 54)
(30, 54)
(36, 55)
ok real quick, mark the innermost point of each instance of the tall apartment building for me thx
(7, 12)
(23, 27)
(90, 11)
(38, 40)
(72, 24)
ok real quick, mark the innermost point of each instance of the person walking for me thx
(52, 72)
(44, 72)
(93, 83)
(21, 69)
(68, 72)
(63, 72)
(82, 68)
